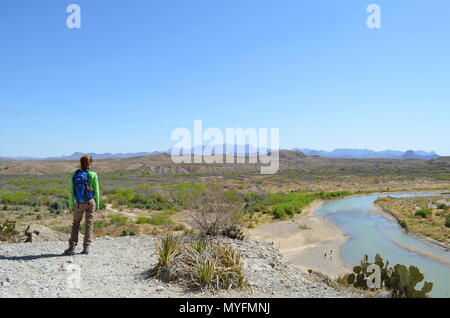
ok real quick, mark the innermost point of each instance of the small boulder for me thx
(37, 234)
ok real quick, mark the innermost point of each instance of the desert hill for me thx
(162, 164)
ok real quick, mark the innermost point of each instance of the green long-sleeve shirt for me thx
(93, 179)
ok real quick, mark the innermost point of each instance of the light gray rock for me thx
(37, 234)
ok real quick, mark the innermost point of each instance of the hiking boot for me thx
(85, 251)
(71, 250)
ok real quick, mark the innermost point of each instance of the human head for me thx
(86, 162)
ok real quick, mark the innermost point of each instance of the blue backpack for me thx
(82, 186)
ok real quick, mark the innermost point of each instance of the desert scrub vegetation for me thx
(8, 232)
(400, 280)
(118, 219)
(199, 263)
(426, 215)
(285, 205)
(149, 191)
(157, 198)
(423, 213)
(157, 219)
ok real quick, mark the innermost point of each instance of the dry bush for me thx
(8, 232)
(211, 212)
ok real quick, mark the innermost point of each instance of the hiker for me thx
(84, 198)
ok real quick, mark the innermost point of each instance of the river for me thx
(373, 233)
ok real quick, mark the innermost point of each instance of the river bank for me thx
(308, 241)
(427, 240)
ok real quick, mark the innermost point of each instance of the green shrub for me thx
(330, 195)
(279, 213)
(423, 213)
(156, 201)
(447, 220)
(143, 220)
(103, 204)
(123, 196)
(282, 205)
(184, 192)
(16, 198)
(58, 207)
(287, 208)
(160, 219)
(128, 232)
(117, 219)
(99, 224)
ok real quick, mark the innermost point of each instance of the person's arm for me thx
(71, 195)
(96, 188)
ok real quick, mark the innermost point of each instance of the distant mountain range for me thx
(367, 154)
(249, 150)
(96, 156)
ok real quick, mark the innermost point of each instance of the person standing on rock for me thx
(84, 198)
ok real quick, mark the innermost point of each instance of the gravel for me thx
(116, 268)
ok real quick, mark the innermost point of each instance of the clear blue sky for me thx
(138, 69)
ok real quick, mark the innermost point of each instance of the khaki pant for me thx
(78, 211)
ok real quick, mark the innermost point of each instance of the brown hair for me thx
(86, 162)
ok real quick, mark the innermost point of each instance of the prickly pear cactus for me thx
(402, 281)
(234, 231)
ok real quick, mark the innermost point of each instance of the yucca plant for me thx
(201, 263)
(228, 256)
(206, 273)
(231, 272)
(199, 245)
(169, 249)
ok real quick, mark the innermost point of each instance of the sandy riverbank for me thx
(427, 240)
(317, 248)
